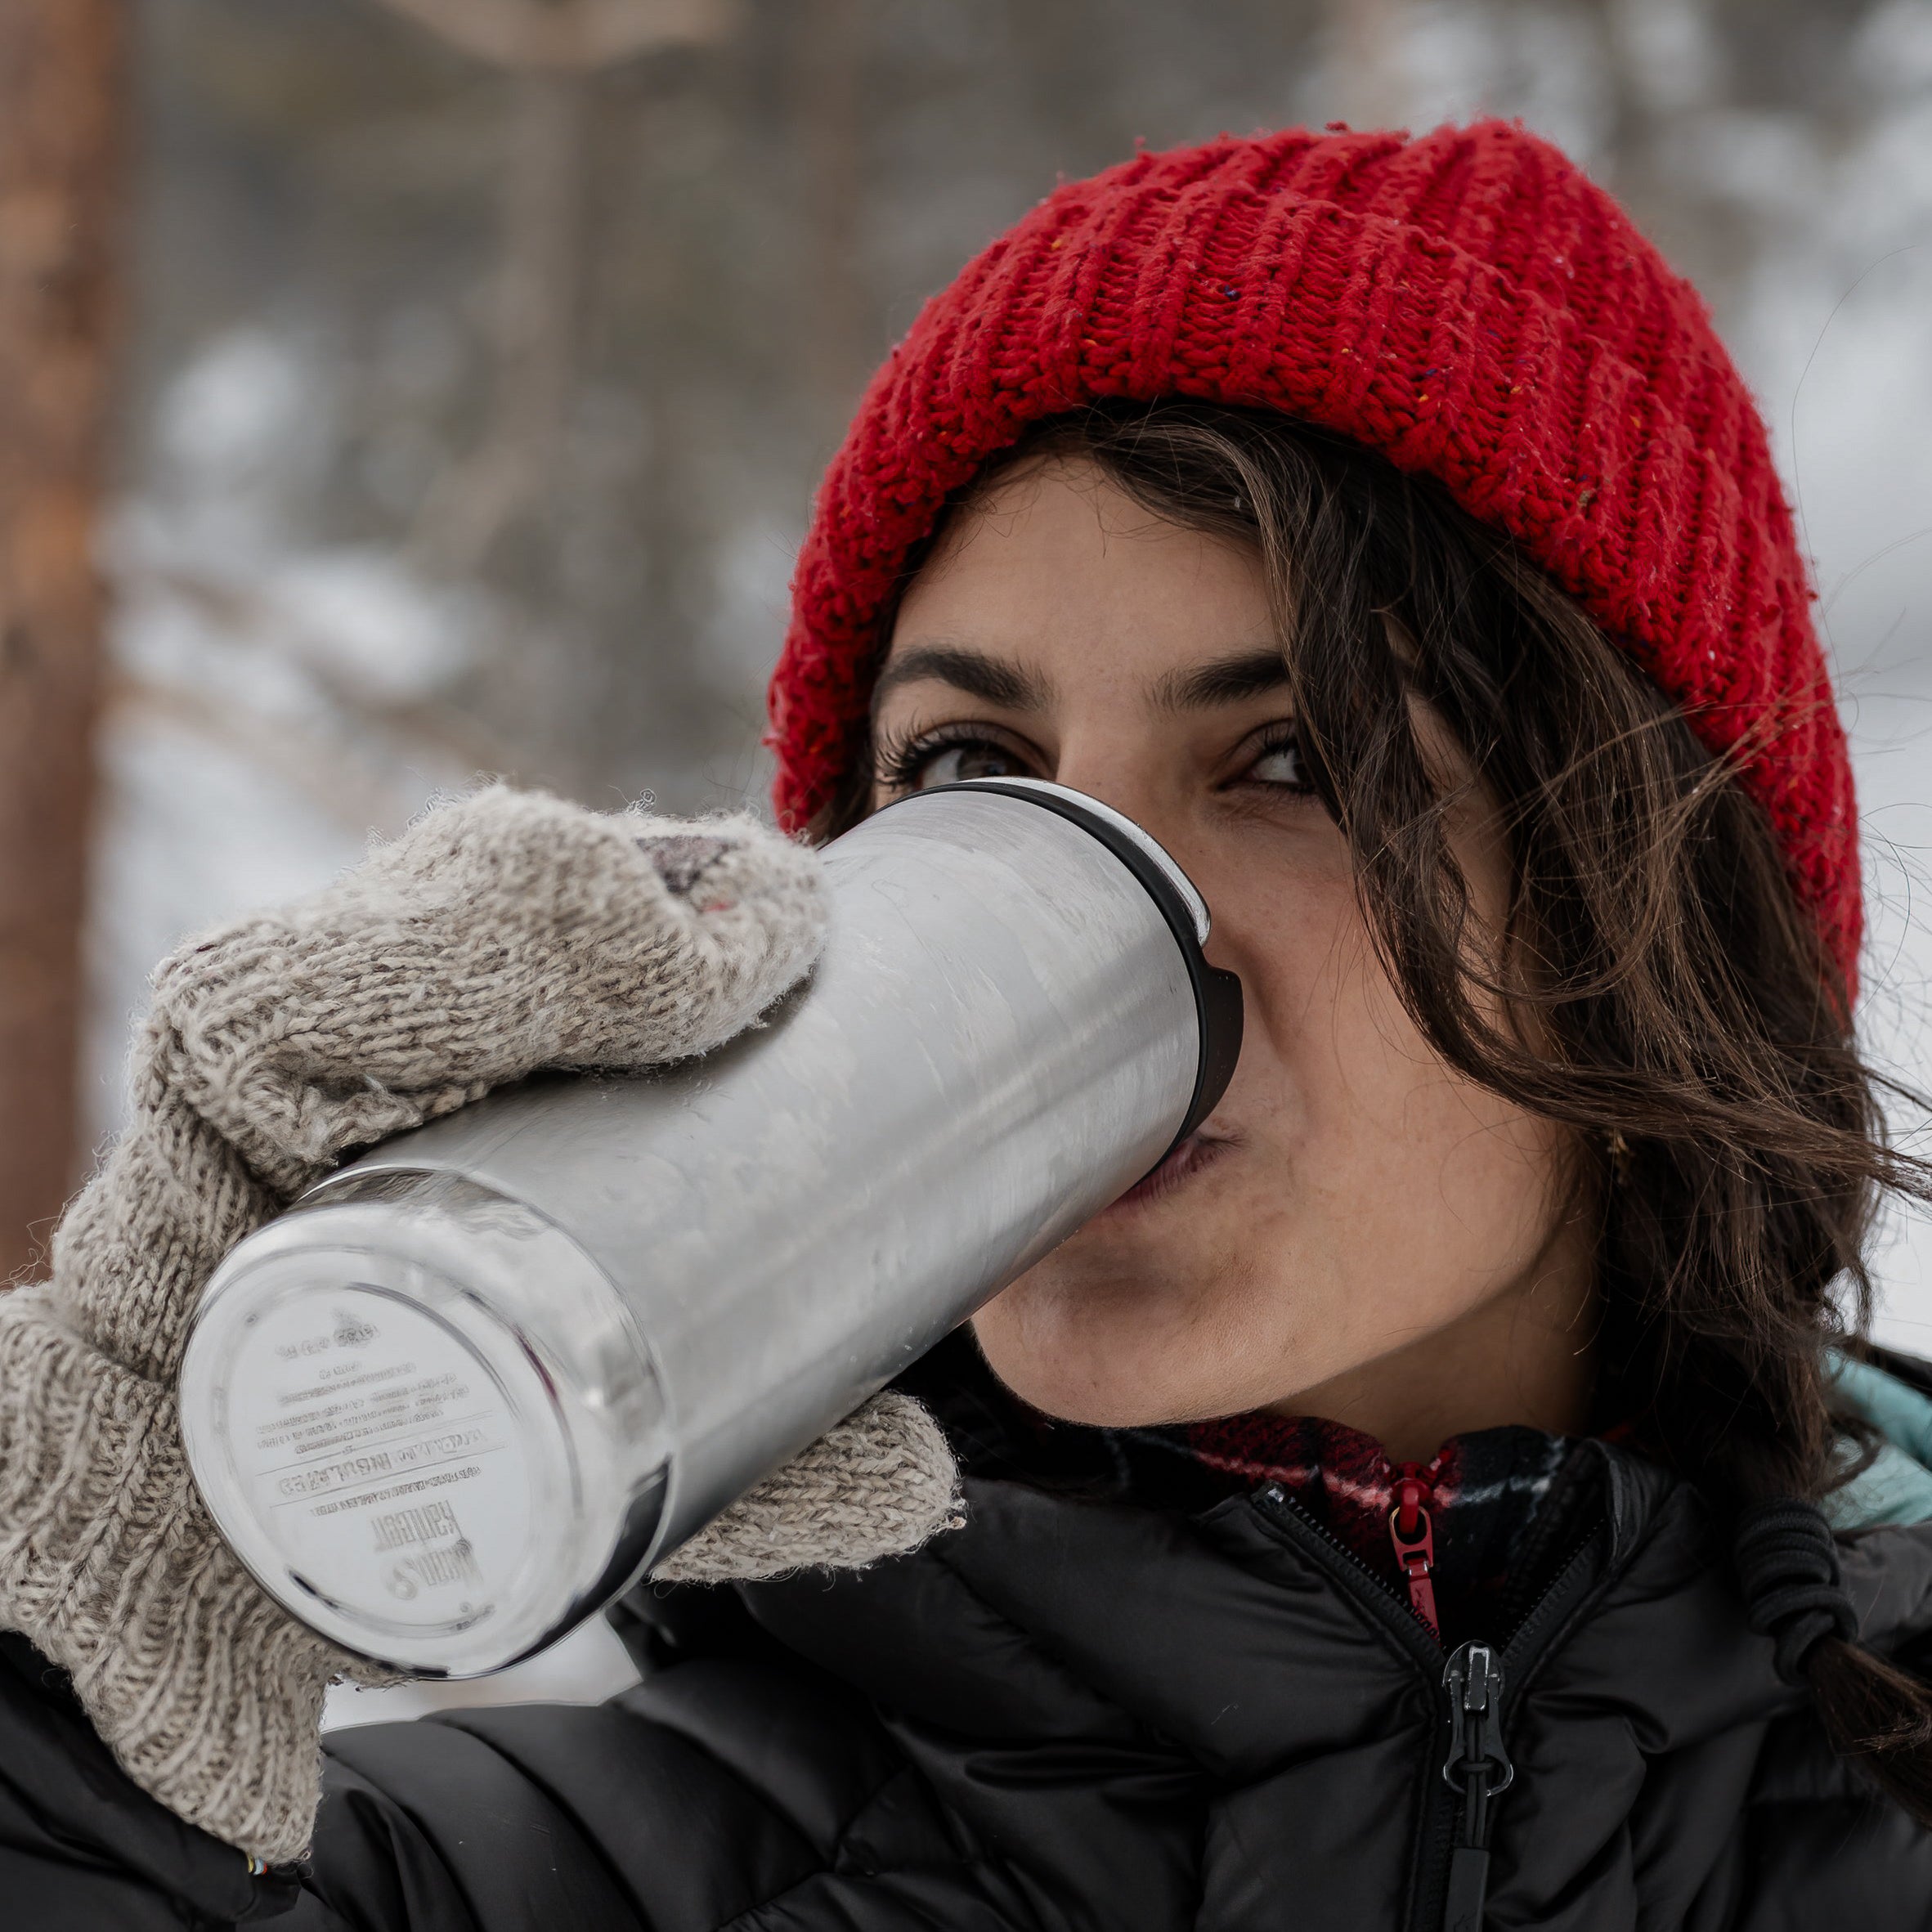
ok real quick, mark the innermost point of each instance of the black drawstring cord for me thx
(1794, 1590)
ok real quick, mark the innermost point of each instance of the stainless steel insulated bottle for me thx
(470, 1385)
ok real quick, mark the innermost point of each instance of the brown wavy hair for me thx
(1655, 986)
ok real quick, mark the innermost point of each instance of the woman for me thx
(1411, 1506)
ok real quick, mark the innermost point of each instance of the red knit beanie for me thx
(1467, 304)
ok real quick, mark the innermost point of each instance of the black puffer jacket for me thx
(1075, 1714)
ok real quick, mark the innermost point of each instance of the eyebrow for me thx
(999, 681)
(992, 680)
(1225, 681)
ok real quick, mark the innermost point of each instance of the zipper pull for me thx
(1414, 1534)
(1477, 1766)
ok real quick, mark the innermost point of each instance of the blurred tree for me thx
(59, 155)
(566, 36)
(1367, 42)
(550, 48)
(831, 163)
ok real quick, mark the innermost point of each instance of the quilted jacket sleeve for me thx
(720, 1794)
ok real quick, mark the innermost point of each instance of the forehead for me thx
(1056, 565)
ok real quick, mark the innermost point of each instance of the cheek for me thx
(1370, 1196)
(1373, 1156)
(1436, 1190)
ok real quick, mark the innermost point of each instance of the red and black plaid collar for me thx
(1483, 1493)
(1445, 1532)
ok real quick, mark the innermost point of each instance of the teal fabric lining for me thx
(1897, 1487)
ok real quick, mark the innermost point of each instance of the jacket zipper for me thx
(1450, 1826)
(1412, 1530)
(1477, 1767)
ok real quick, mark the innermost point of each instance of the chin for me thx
(1154, 1312)
(1087, 1365)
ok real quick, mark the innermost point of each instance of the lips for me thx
(1188, 1157)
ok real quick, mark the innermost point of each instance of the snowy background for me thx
(474, 412)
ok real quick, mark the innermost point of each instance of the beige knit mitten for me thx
(505, 933)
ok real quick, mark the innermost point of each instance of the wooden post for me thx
(60, 180)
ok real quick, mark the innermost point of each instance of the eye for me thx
(1279, 763)
(945, 760)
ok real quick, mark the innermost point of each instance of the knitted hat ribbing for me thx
(1467, 304)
